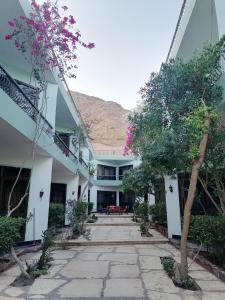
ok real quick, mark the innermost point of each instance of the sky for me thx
(132, 39)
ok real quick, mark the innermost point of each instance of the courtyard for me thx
(111, 271)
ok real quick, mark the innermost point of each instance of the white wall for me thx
(71, 193)
(172, 206)
(40, 181)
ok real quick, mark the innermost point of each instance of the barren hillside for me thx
(107, 119)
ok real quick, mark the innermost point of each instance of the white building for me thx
(56, 168)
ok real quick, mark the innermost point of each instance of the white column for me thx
(172, 206)
(151, 199)
(220, 7)
(38, 203)
(117, 198)
(71, 193)
(84, 186)
(93, 197)
(50, 107)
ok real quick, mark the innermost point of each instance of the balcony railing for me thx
(106, 177)
(83, 163)
(16, 93)
(26, 97)
(64, 148)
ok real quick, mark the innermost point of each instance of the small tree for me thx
(171, 129)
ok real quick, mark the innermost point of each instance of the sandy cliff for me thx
(107, 121)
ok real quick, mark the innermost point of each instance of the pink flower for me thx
(35, 5)
(90, 45)
(8, 37)
(11, 23)
(72, 20)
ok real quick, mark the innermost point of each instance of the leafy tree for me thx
(170, 130)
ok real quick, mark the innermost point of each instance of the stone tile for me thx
(45, 286)
(62, 254)
(83, 269)
(88, 256)
(153, 252)
(82, 288)
(159, 281)
(213, 296)
(37, 297)
(126, 249)
(52, 271)
(5, 281)
(99, 249)
(123, 288)
(119, 257)
(211, 286)
(10, 298)
(163, 296)
(150, 262)
(14, 271)
(124, 271)
(14, 291)
(202, 275)
(59, 262)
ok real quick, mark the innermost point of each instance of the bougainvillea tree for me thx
(178, 112)
(48, 38)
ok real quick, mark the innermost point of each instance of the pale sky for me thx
(132, 39)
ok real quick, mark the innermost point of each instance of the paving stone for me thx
(14, 271)
(62, 254)
(210, 286)
(14, 291)
(213, 296)
(85, 269)
(82, 288)
(163, 296)
(98, 249)
(37, 297)
(88, 256)
(153, 252)
(124, 271)
(119, 257)
(126, 249)
(45, 286)
(202, 275)
(150, 262)
(59, 262)
(5, 281)
(123, 288)
(52, 271)
(10, 298)
(160, 282)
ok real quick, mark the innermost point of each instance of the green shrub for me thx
(56, 215)
(158, 212)
(143, 211)
(9, 232)
(90, 207)
(209, 231)
(168, 266)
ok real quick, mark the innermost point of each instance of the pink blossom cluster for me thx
(129, 140)
(48, 37)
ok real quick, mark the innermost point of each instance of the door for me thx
(104, 199)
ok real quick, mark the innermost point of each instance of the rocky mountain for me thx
(107, 122)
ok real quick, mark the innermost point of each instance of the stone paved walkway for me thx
(111, 272)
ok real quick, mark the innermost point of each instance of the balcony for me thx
(107, 177)
(26, 97)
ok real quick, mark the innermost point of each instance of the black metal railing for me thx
(17, 94)
(64, 148)
(106, 177)
(26, 97)
(83, 163)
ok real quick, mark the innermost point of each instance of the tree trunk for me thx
(19, 262)
(196, 165)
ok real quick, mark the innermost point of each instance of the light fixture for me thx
(73, 192)
(41, 193)
(171, 188)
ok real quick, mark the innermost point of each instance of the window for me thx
(106, 173)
